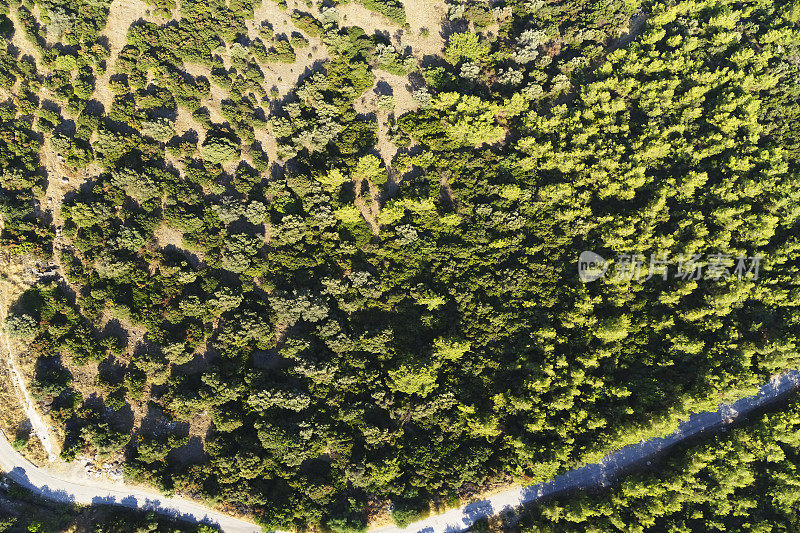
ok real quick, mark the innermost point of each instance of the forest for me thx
(744, 480)
(307, 304)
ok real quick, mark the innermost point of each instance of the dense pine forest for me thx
(745, 480)
(303, 301)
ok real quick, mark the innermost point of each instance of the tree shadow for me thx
(193, 452)
(96, 108)
(383, 88)
(114, 328)
(449, 27)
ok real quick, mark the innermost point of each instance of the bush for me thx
(298, 41)
(391, 9)
(307, 23)
(21, 326)
(219, 149)
(406, 512)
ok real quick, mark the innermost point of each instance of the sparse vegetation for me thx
(391, 9)
(22, 512)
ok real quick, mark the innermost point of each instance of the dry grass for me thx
(285, 76)
(21, 42)
(167, 235)
(121, 14)
(420, 14)
(17, 275)
(13, 417)
(185, 122)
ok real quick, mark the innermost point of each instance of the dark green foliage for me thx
(740, 481)
(60, 330)
(391, 9)
(21, 182)
(307, 23)
(355, 328)
(406, 511)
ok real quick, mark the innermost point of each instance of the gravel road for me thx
(50, 486)
(39, 428)
(457, 520)
(40, 481)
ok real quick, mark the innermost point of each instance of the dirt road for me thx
(40, 481)
(455, 520)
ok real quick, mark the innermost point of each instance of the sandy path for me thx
(56, 487)
(121, 15)
(20, 40)
(39, 428)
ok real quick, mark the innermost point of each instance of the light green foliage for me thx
(21, 326)
(414, 378)
(389, 59)
(352, 341)
(369, 168)
(219, 149)
(291, 400)
(468, 120)
(307, 23)
(239, 251)
(386, 102)
(109, 145)
(613, 329)
(333, 179)
(298, 41)
(466, 46)
(159, 129)
(112, 266)
(349, 215)
(448, 349)
(137, 185)
(130, 239)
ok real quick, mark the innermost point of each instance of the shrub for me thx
(307, 23)
(282, 52)
(298, 41)
(391, 9)
(21, 326)
(219, 149)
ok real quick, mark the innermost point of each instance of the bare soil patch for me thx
(121, 14)
(421, 15)
(284, 76)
